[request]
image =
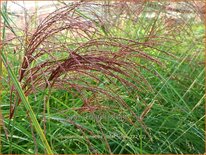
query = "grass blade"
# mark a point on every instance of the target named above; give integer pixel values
(27, 106)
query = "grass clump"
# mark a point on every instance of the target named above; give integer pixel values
(118, 83)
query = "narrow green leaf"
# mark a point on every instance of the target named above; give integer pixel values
(27, 106)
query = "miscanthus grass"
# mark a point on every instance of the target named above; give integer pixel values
(109, 80)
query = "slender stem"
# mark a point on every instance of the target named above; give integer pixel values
(1, 119)
(1, 68)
